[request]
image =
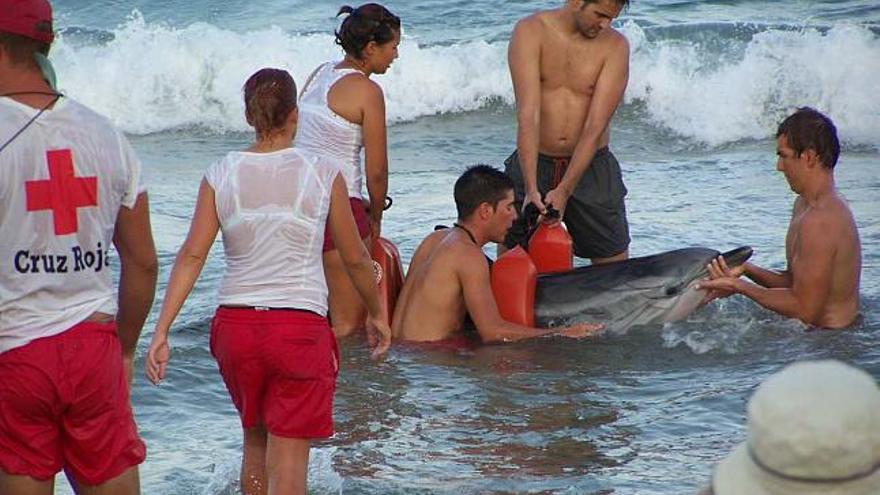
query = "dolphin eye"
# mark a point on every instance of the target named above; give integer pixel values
(671, 291)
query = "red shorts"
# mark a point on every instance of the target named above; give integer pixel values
(360, 218)
(64, 404)
(280, 368)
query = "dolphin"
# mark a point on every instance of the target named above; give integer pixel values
(638, 291)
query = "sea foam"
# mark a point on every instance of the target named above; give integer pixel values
(149, 77)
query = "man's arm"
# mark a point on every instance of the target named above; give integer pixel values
(139, 268)
(767, 278)
(524, 60)
(811, 277)
(473, 274)
(607, 94)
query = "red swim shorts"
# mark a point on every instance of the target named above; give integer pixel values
(64, 403)
(360, 218)
(280, 368)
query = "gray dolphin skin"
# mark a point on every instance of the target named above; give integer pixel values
(639, 291)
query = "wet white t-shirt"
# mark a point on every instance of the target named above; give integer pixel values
(62, 183)
(273, 208)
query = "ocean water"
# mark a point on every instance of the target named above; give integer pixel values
(649, 412)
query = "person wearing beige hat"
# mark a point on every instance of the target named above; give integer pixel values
(813, 428)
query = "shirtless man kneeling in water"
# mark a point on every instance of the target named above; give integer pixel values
(448, 277)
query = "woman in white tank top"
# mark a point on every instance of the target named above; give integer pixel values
(270, 335)
(341, 112)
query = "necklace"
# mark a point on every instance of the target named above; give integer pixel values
(466, 231)
(29, 122)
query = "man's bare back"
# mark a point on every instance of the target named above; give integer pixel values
(431, 305)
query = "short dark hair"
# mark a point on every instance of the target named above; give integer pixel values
(369, 22)
(269, 97)
(21, 49)
(809, 129)
(477, 185)
(622, 3)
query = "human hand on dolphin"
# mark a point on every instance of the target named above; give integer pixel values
(722, 281)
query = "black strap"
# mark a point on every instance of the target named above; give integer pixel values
(468, 232)
(35, 117)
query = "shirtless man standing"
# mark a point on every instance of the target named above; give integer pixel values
(449, 275)
(821, 283)
(569, 71)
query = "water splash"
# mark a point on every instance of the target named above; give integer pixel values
(711, 83)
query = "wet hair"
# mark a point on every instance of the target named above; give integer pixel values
(369, 22)
(622, 3)
(269, 97)
(21, 49)
(477, 185)
(809, 129)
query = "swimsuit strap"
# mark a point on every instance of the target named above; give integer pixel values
(468, 232)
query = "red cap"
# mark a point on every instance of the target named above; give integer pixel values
(29, 18)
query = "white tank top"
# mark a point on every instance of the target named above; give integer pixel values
(326, 133)
(273, 209)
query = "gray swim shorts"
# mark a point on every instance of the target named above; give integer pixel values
(595, 213)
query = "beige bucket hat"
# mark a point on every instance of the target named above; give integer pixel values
(813, 428)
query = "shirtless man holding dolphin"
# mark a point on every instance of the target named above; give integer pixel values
(820, 285)
(569, 71)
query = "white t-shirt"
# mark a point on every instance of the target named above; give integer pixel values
(273, 209)
(62, 183)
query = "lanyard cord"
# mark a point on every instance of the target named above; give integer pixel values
(29, 122)
(468, 232)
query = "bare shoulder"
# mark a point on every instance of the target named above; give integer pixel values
(433, 239)
(616, 42)
(468, 258)
(841, 208)
(531, 26)
(821, 225)
(360, 84)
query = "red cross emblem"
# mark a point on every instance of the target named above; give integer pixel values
(62, 192)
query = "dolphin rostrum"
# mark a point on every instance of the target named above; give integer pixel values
(639, 291)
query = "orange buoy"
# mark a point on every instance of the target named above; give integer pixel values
(550, 248)
(389, 275)
(514, 279)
